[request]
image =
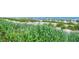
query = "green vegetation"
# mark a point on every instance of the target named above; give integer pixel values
(21, 19)
(15, 32)
(62, 25)
(76, 26)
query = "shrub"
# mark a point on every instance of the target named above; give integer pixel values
(60, 24)
(71, 27)
(76, 27)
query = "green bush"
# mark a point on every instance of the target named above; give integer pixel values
(71, 27)
(76, 27)
(60, 24)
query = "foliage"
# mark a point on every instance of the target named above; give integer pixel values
(60, 24)
(76, 27)
(15, 32)
(71, 27)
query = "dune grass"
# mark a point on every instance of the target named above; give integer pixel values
(13, 32)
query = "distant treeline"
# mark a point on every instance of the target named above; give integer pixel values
(21, 19)
(30, 19)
